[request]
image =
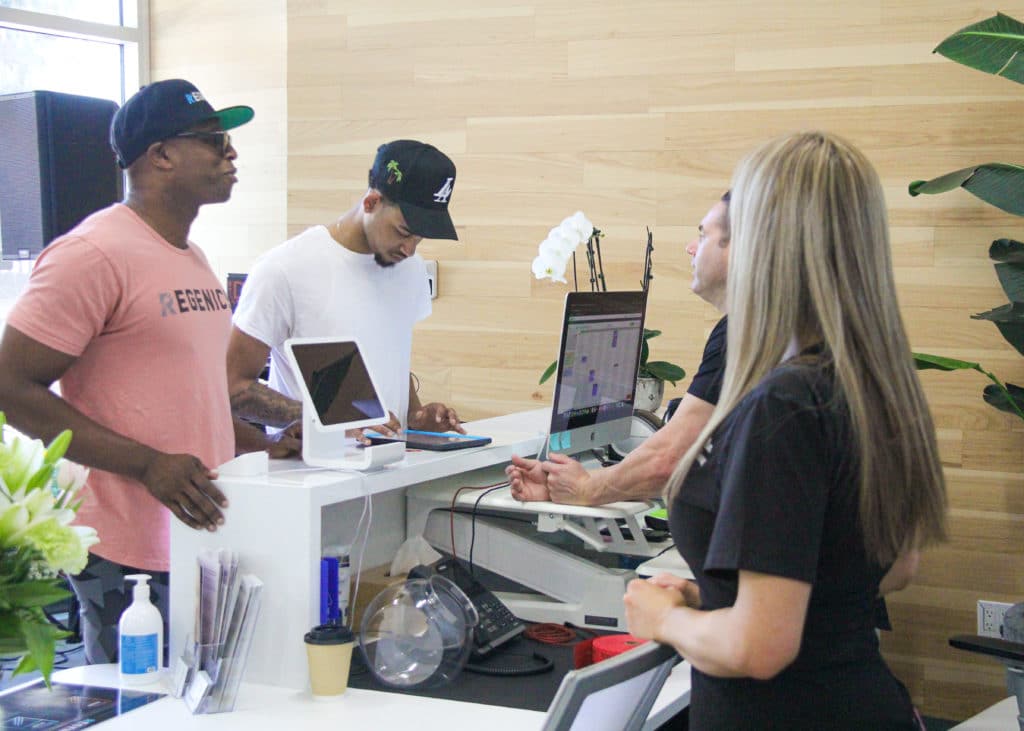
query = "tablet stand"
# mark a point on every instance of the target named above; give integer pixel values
(333, 450)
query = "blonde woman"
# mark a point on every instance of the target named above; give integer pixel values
(817, 479)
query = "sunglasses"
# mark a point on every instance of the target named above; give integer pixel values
(219, 140)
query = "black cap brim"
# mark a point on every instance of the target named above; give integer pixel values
(430, 224)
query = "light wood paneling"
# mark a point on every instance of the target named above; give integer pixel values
(235, 58)
(636, 114)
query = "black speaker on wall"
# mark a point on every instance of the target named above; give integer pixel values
(56, 167)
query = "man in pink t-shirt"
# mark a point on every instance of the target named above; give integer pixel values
(126, 313)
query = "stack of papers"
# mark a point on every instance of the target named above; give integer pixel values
(227, 606)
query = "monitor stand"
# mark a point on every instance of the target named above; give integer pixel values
(331, 449)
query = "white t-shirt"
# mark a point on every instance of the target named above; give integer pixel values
(312, 286)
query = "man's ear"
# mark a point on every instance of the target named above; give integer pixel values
(371, 200)
(157, 156)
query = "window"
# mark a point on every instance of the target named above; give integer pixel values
(97, 48)
(94, 48)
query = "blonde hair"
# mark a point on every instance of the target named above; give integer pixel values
(810, 260)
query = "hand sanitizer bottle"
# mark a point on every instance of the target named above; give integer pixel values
(140, 636)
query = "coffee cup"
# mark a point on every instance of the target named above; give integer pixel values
(329, 652)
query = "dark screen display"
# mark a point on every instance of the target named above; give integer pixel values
(338, 382)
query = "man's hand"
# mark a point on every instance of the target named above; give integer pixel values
(389, 430)
(435, 417)
(287, 442)
(568, 481)
(528, 479)
(183, 484)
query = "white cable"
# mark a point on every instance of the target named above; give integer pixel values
(358, 564)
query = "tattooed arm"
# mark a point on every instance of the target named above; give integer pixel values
(250, 399)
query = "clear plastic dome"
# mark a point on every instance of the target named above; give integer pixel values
(418, 634)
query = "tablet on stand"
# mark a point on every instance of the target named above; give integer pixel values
(338, 394)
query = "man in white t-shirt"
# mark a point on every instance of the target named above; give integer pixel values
(357, 277)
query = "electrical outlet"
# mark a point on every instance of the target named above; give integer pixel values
(990, 617)
(432, 278)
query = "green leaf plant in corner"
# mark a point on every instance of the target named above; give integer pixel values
(994, 46)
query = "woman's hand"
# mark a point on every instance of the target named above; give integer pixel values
(686, 587)
(648, 607)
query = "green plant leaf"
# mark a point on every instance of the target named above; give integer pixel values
(648, 334)
(995, 396)
(665, 371)
(996, 183)
(33, 594)
(1011, 277)
(1010, 321)
(993, 45)
(548, 372)
(924, 362)
(645, 353)
(40, 639)
(40, 477)
(58, 447)
(1008, 250)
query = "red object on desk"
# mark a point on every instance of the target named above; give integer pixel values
(601, 648)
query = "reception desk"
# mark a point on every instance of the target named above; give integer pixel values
(279, 522)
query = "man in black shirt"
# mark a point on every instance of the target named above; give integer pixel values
(645, 470)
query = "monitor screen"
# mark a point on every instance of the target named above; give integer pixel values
(602, 333)
(337, 381)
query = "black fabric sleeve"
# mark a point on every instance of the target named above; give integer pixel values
(775, 486)
(707, 382)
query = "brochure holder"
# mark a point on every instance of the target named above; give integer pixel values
(338, 394)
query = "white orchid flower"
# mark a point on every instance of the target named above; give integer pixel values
(558, 247)
(548, 265)
(580, 224)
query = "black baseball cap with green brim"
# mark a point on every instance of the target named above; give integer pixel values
(419, 178)
(161, 110)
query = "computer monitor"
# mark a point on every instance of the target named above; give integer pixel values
(338, 394)
(595, 384)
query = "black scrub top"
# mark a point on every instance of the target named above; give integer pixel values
(775, 491)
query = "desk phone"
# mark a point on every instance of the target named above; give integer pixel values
(497, 624)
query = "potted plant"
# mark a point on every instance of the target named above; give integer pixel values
(552, 261)
(991, 45)
(652, 374)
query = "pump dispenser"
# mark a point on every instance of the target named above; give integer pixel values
(140, 635)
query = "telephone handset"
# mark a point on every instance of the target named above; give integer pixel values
(497, 624)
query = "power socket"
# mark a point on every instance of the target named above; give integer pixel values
(990, 617)
(432, 277)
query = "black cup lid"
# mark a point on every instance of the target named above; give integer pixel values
(329, 634)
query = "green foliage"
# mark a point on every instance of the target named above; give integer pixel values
(24, 629)
(994, 46)
(660, 369)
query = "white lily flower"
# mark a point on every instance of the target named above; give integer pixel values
(71, 477)
(14, 519)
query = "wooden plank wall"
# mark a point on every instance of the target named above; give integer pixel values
(234, 57)
(636, 114)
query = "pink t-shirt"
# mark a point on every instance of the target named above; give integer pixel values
(149, 325)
